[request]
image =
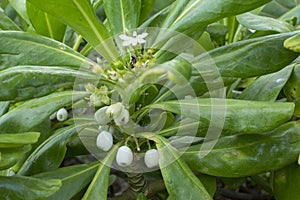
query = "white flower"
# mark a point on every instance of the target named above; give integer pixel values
(104, 141)
(134, 40)
(62, 114)
(101, 117)
(123, 118)
(124, 156)
(151, 158)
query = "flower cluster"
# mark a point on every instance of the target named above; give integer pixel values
(120, 115)
(99, 96)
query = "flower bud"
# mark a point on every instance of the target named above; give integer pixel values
(151, 158)
(62, 114)
(104, 141)
(123, 118)
(114, 110)
(101, 117)
(124, 156)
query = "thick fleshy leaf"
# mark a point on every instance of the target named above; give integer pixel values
(244, 155)
(188, 16)
(49, 155)
(267, 87)
(73, 178)
(32, 113)
(180, 181)
(122, 15)
(20, 7)
(286, 183)
(6, 23)
(11, 156)
(292, 89)
(79, 15)
(18, 139)
(232, 115)
(19, 48)
(45, 24)
(146, 9)
(282, 9)
(248, 58)
(25, 82)
(20, 187)
(99, 186)
(261, 23)
(4, 105)
(293, 43)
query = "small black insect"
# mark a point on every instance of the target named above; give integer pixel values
(133, 61)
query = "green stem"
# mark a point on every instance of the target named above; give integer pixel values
(77, 43)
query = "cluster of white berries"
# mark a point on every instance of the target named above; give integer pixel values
(120, 115)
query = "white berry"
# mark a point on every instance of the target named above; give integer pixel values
(123, 118)
(114, 110)
(104, 141)
(101, 117)
(124, 156)
(62, 114)
(151, 158)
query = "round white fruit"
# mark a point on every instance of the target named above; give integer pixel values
(124, 156)
(114, 110)
(123, 118)
(101, 117)
(104, 141)
(62, 114)
(151, 158)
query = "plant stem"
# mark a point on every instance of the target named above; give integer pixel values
(77, 43)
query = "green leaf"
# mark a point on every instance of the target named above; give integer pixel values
(45, 24)
(122, 15)
(146, 9)
(261, 23)
(18, 139)
(244, 155)
(73, 178)
(4, 106)
(188, 16)
(286, 183)
(232, 115)
(20, 7)
(49, 154)
(282, 9)
(20, 187)
(11, 156)
(79, 15)
(292, 89)
(180, 181)
(267, 87)
(99, 186)
(293, 43)
(20, 48)
(6, 23)
(32, 113)
(46, 80)
(248, 58)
